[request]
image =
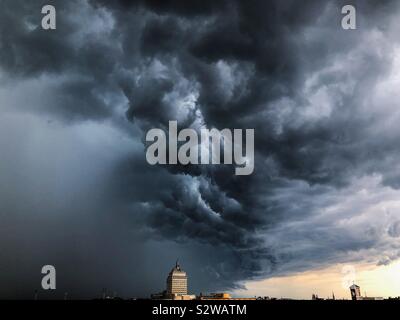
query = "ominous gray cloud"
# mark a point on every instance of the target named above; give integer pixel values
(76, 103)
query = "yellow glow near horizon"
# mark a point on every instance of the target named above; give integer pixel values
(375, 281)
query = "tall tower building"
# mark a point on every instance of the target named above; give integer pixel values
(355, 292)
(177, 281)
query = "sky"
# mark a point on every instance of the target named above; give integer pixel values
(76, 191)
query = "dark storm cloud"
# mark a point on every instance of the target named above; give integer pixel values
(262, 53)
(74, 65)
(284, 68)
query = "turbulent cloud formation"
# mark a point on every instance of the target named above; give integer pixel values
(322, 101)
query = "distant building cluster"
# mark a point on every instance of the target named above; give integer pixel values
(356, 294)
(177, 289)
(315, 297)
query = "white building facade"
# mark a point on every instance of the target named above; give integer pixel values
(177, 281)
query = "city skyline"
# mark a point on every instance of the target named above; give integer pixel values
(177, 287)
(349, 287)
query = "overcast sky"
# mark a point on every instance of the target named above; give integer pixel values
(76, 102)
